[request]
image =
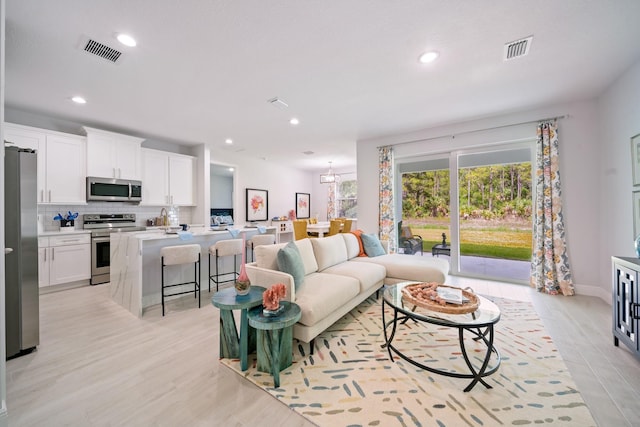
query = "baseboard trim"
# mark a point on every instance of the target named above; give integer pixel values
(594, 291)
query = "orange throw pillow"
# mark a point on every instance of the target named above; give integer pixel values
(358, 234)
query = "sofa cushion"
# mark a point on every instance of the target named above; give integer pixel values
(368, 274)
(290, 261)
(329, 251)
(321, 294)
(372, 245)
(358, 234)
(351, 242)
(267, 255)
(406, 267)
(308, 256)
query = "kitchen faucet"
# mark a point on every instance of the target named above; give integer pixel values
(164, 217)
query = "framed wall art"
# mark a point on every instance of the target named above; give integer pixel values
(257, 204)
(635, 159)
(303, 202)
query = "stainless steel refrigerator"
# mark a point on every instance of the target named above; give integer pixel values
(22, 314)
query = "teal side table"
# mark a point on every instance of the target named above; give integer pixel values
(230, 345)
(275, 338)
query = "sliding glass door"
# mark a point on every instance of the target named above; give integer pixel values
(483, 213)
(494, 213)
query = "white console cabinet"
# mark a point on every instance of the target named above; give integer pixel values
(167, 178)
(64, 259)
(284, 231)
(61, 162)
(113, 155)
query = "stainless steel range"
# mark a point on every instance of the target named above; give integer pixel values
(101, 225)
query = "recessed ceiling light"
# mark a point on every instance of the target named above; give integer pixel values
(79, 100)
(228, 141)
(294, 121)
(427, 57)
(127, 40)
(230, 169)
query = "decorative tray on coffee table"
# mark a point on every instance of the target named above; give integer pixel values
(416, 294)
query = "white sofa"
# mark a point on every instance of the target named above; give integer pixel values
(336, 279)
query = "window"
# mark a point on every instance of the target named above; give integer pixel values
(347, 196)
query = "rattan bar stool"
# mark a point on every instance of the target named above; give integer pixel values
(224, 248)
(260, 239)
(182, 254)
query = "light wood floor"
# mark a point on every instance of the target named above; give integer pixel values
(99, 365)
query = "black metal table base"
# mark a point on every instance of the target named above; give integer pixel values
(477, 375)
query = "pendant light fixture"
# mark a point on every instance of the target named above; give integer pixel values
(328, 178)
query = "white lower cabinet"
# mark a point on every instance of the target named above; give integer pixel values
(64, 259)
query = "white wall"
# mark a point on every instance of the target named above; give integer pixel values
(579, 158)
(281, 181)
(221, 191)
(619, 112)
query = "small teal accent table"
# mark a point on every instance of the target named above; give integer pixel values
(275, 338)
(230, 345)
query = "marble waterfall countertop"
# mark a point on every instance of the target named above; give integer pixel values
(136, 266)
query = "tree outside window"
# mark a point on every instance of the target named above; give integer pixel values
(347, 196)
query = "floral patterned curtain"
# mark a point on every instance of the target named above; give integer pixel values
(331, 201)
(387, 219)
(550, 272)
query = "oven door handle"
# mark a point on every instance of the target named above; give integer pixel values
(100, 239)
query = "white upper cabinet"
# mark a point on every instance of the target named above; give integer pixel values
(61, 162)
(167, 178)
(66, 170)
(113, 155)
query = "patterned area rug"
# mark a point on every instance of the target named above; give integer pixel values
(350, 381)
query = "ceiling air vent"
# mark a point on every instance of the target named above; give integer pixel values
(517, 49)
(103, 51)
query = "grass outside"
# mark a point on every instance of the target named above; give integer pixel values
(492, 242)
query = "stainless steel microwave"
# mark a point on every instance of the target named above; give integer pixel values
(113, 190)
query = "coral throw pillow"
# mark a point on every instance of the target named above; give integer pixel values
(358, 234)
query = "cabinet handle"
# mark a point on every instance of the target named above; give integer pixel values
(45, 255)
(633, 310)
(42, 195)
(53, 254)
(119, 173)
(114, 172)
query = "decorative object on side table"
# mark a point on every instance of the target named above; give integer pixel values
(271, 299)
(242, 283)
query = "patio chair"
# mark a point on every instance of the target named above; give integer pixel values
(410, 243)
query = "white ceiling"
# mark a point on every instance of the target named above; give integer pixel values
(203, 70)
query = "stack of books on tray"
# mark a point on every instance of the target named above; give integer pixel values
(451, 295)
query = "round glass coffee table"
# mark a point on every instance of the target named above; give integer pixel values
(479, 323)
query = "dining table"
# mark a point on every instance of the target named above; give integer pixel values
(321, 228)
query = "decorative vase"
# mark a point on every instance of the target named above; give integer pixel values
(637, 246)
(243, 284)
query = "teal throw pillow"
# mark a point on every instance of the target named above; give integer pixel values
(290, 261)
(372, 245)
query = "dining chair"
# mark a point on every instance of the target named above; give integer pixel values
(346, 226)
(334, 227)
(300, 229)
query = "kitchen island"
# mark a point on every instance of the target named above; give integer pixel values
(136, 265)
